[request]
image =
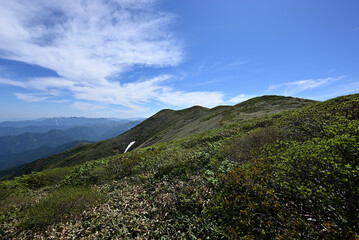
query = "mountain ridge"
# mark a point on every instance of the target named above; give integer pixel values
(293, 174)
(167, 125)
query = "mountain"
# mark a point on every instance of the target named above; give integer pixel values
(169, 125)
(62, 123)
(28, 146)
(8, 131)
(27, 141)
(13, 160)
(55, 137)
(288, 175)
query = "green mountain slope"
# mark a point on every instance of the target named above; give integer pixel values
(169, 125)
(291, 175)
(15, 160)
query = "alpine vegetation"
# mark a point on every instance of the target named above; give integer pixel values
(288, 175)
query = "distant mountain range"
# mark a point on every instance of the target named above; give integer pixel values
(43, 125)
(60, 121)
(16, 159)
(165, 126)
(29, 140)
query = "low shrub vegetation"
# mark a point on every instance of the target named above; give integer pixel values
(293, 175)
(60, 205)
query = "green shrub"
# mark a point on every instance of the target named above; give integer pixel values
(322, 177)
(34, 180)
(5, 191)
(55, 175)
(183, 165)
(89, 173)
(122, 166)
(246, 147)
(64, 203)
(37, 180)
(248, 207)
(13, 201)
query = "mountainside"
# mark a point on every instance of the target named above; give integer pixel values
(290, 175)
(169, 125)
(13, 160)
(27, 141)
(27, 147)
(7, 131)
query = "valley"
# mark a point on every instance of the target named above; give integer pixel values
(29, 140)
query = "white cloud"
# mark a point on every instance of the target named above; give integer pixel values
(291, 88)
(87, 42)
(240, 98)
(348, 87)
(12, 82)
(183, 99)
(87, 39)
(230, 66)
(28, 97)
(130, 95)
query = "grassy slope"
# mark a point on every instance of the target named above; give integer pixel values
(168, 125)
(293, 175)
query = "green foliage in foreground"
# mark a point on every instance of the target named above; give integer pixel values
(294, 175)
(321, 176)
(64, 203)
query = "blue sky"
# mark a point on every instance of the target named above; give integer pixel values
(131, 58)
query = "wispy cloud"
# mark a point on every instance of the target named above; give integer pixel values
(186, 99)
(230, 66)
(87, 39)
(130, 95)
(348, 87)
(240, 98)
(29, 97)
(87, 42)
(292, 88)
(12, 82)
(219, 66)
